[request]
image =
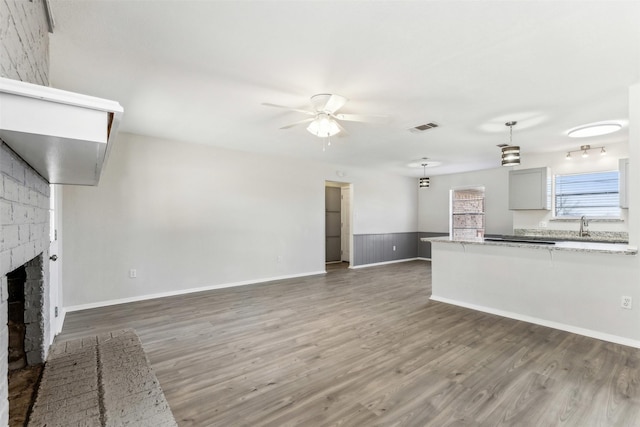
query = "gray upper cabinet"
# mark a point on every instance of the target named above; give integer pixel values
(623, 168)
(529, 189)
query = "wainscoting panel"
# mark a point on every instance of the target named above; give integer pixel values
(375, 248)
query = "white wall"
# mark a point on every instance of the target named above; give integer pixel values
(559, 165)
(189, 216)
(434, 201)
(384, 203)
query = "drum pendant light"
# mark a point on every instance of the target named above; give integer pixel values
(511, 153)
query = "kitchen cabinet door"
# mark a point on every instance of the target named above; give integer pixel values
(623, 168)
(529, 189)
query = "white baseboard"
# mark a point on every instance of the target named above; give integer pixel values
(423, 259)
(181, 292)
(551, 324)
(383, 263)
(60, 323)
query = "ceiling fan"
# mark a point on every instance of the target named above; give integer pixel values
(325, 121)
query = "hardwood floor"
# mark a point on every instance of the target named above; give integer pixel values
(366, 347)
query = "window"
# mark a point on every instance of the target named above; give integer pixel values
(589, 194)
(467, 213)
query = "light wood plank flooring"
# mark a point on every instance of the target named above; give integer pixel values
(366, 347)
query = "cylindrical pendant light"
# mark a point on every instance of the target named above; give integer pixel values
(511, 153)
(424, 181)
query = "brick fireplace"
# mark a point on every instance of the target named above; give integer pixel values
(24, 204)
(24, 195)
(27, 307)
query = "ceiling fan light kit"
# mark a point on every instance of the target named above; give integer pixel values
(325, 121)
(511, 153)
(323, 126)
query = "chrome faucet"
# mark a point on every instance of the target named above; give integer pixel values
(584, 227)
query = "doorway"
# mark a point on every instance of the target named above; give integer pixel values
(338, 196)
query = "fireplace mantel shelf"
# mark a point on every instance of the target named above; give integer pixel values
(66, 137)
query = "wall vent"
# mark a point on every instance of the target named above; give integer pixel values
(424, 127)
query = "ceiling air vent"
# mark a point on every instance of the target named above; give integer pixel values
(423, 128)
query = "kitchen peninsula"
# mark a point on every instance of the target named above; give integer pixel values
(560, 285)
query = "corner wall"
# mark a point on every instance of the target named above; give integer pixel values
(558, 165)
(434, 201)
(189, 216)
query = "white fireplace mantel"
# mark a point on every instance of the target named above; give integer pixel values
(66, 137)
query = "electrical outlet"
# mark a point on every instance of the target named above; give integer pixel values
(133, 273)
(394, 247)
(279, 258)
(542, 224)
(626, 302)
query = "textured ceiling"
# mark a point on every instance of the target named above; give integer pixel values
(199, 71)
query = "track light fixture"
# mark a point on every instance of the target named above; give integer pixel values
(584, 149)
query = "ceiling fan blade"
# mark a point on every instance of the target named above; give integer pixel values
(343, 131)
(362, 118)
(310, 113)
(334, 103)
(310, 119)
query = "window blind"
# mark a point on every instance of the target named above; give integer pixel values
(589, 194)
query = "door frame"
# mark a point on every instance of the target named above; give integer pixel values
(348, 238)
(55, 267)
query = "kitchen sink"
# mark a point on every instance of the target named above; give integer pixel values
(519, 240)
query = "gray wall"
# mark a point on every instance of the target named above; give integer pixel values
(375, 248)
(24, 195)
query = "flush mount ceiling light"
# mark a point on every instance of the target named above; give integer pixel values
(584, 149)
(510, 153)
(594, 129)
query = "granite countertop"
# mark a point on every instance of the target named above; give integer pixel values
(596, 247)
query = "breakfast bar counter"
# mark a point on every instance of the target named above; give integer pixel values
(558, 284)
(574, 246)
